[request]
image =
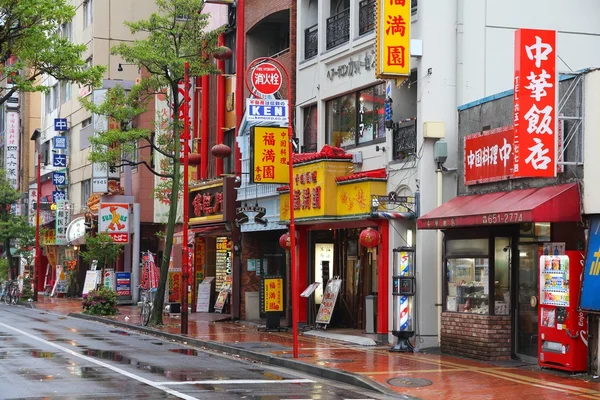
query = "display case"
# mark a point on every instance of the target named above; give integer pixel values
(468, 285)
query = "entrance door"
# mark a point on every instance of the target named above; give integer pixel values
(526, 333)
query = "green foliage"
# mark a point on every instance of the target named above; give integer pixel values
(101, 248)
(102, 301)
(27, 289)
(29, 33)
(3, 269)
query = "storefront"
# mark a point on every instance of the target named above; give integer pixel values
(491, 276)
(332, 206)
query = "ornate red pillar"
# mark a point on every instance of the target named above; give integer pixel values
(383, 282)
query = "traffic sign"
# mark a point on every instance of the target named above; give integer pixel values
(266, 78)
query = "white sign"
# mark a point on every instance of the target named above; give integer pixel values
(110, 281)
(203, 298)
(61, 284)
(63, 216)
(323, 252)
(11, 161)
(267, 110)
(92, 279)
(76, 229)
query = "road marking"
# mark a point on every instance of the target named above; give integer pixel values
(235, 382)
(103, 364)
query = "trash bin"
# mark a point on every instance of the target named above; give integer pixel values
(371, 313)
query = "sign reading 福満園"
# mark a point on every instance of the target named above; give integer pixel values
(393, 38)
(488, 156)
(113, 218)
(535, 91)
(270, 155)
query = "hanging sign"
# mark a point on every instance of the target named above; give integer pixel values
(59, 142)
(270, 158)
(266, 78)
(12, 157)
(63, 216)
(113, 218)
(535, 98)
(59, 178)
(393, 38)
(263, 110)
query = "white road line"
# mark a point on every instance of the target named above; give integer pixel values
(236, 382)
(103, 364)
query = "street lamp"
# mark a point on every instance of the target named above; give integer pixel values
(38, 251)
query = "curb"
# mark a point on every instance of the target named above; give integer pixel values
(335, 375)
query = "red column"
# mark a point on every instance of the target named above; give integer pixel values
(196, 123)
(204, 129)
(303, 254)
(220, 105)
(383, 275)
(240, 62)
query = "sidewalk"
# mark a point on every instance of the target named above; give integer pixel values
(400, 375)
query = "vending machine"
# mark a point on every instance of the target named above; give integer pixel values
(562, 342)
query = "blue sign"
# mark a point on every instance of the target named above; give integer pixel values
(58, 195)
(59, 142)
(59, 160)
(59, 178)
(123, 283)
(267, 110)
(60, 124)
(590, 286)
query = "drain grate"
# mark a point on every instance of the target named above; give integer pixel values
(409, 382)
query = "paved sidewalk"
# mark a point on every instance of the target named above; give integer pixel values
(400, 375)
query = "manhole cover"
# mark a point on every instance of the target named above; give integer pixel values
(409, 382)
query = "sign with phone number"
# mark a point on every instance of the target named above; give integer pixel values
(503, 218)
(473, 220)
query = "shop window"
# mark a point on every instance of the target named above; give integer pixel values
(356, 118)
(502, 256)
(468, 285)
(535, 232)
(310, 129)
(470, 247)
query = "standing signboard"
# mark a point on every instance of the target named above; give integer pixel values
(535, 99)
(92, 279)
(590, 287)
(61, 283)
(109, 280)
(328, 303)
(223, 295)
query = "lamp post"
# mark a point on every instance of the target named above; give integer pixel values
(294, 264)
(38, 252)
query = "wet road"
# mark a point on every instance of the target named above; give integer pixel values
(45, 355)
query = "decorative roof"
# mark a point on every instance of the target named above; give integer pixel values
(326, 153)
(374, 174)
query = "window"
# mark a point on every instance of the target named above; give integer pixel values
(356, 118)
(86, 122)
(86, 191)
(310, 129)
(230, 43)
(51, 99)
(87, 13)
(229, 162)
(65, 31)
(65, 92)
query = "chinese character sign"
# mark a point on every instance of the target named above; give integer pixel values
(63, 217)
(393, 38)
(535, 84)
(59, 178)
(488, 156)
(59, 160)
(60, 124)
(59, 142)
(270, 157)
(11, 160)
(273, 292)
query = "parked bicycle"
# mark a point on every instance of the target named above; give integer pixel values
(147, 297)
(12, 292)
(3, 291)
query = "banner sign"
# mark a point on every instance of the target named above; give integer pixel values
(11, 160)
(488, 156)
(393, 38)
(269, 158)
(590, 286)
(328, 303)
(535, 99)
(63, 217)
(113, 219)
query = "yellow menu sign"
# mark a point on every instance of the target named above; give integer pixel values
(270, 158)
(273, 294)
(393, 38)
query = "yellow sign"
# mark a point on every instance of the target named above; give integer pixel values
(270, 155)
(273, 294)
(314, 183)
(393, 38)
(49, 238)
(355, 198)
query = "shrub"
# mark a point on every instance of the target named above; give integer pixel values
(102, 301)
(27, 292)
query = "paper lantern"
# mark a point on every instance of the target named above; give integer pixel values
(221, 150)
(194, 159)
(369, 238)
(285, 241)
(223, 53)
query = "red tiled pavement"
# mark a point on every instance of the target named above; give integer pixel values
(451, 377)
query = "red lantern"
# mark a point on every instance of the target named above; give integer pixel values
(194, 159)
(221, 150)
(369, 238)
(285, 241)
(223, 53)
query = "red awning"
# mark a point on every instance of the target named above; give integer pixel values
(558, 203)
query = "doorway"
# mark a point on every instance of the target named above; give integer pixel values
(526, 312)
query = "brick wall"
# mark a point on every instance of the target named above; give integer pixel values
(483, 337)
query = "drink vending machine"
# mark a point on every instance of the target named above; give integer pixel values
(562, 343)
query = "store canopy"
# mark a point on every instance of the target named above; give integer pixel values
(560, 203)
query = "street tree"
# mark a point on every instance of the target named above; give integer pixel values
(15, 230)
(176, 34)
(102, 249)
(34, 44)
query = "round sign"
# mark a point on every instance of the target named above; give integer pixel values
(266, 78)
(533, 301)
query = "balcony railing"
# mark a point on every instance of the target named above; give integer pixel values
(311, 42)
(338, 29)
(405, 140)
(366, 16)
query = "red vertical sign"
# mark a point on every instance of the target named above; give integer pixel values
(534, 103)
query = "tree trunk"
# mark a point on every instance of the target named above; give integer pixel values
(11, 272)
(159, 299)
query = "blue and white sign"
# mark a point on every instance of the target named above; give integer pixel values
(60, 124)
(59, 142)
(58, 195)
(590, 286)
(267, 110)
(59, 160)
(59, 178)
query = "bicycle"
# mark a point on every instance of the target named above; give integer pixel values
(4, 291)
(12, 293)
(147, 305)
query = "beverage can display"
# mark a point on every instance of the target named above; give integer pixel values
(555, 263)
(547, 263)
(564, 263)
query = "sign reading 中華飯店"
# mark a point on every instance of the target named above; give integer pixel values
(393, 38)
(535, 82)
(270, 155)
(590, 286)
(488, 156)
(113, 218)
(11, 158)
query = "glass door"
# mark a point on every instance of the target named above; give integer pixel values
(526, 315)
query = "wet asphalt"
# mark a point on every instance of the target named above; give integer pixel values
(49, 356)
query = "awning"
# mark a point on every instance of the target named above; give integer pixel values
(560, 203)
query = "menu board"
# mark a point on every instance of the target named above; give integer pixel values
(554, 280)
(224, 260)
(92, 279)
(329, 298)
(223, 295)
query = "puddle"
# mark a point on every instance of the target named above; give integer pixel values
(4, 355)
(34, 376)
(41, 354)
(119, 332)
(86, 372)
(189, 352)
(158, 343)
(107, 355)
